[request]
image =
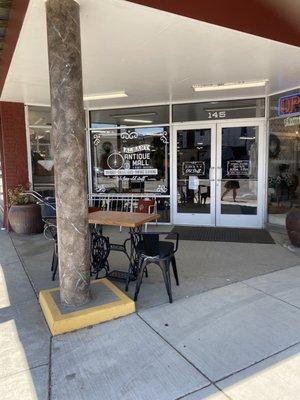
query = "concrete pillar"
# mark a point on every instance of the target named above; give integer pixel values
(70, 166)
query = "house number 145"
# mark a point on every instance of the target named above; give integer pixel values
(216, 114)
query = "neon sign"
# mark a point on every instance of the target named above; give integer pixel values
(289, 105)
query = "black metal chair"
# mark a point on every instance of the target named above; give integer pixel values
(151, 250)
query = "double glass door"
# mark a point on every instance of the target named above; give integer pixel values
(219, 174)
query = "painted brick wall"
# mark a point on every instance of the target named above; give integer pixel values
(13, 149)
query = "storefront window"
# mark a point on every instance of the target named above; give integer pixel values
(131, 160)
(134, 161)
(284, 155)
(41, 149)
(219, 110)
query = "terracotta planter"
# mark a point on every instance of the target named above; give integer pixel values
(26, 219)
(293, 226)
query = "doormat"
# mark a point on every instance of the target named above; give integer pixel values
(212, 234)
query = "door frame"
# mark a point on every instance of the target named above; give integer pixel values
(193, 218)
(242, 220)
(216, 129)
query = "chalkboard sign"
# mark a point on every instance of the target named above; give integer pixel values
(193, 168)
(238, 168)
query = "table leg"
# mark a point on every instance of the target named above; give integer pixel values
(133, 267)
(99, 251)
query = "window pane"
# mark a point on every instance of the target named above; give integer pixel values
(193, 165)
(40, 116)
(218, 110)
(42, 159)
(239, 170)
(130, 161)
(284, 155)
(135, 116)
(39, 119)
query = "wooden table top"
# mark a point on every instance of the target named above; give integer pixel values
(121, 218)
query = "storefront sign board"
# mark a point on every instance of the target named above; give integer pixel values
(238, 168)
(193, 168)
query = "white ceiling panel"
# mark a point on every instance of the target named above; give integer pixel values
(154, 56)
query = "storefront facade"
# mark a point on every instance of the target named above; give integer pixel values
(220, 163)
(202, 163)
(202, 156)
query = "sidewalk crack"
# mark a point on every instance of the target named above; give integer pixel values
(270, 295)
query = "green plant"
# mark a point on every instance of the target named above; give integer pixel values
(17, 196)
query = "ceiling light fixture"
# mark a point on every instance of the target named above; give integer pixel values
(142, 121)
(231, 108)
(145, 114)
(104, 96)
(229, 85)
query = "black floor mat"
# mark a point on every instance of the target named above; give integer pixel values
(212, 234)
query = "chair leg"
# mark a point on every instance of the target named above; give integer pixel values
(169, 281)
(55, 264)
(139, 281)
(173, 261)
(53, 260)
(165, 269)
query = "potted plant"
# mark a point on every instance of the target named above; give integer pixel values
(24, 214)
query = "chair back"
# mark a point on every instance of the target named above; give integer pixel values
(151, 244)
(146, 206)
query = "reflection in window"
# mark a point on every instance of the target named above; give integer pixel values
(284, 157)
(239, 170)
(193, 165)
(41, 149)
(134, 116)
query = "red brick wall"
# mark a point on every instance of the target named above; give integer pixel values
(13, 148)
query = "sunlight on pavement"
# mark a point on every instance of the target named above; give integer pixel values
(4, 297)
(275, 378)
(12, 354)
(18, 386)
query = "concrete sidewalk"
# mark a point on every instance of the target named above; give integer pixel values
(202, 265)
(239, 342)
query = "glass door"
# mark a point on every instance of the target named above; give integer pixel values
(240, 174)
(194, 174)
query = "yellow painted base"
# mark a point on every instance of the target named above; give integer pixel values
(61, 323)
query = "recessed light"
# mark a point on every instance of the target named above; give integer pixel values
(229, 85)
(104, 96)
(142, 121)
(129, 115)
